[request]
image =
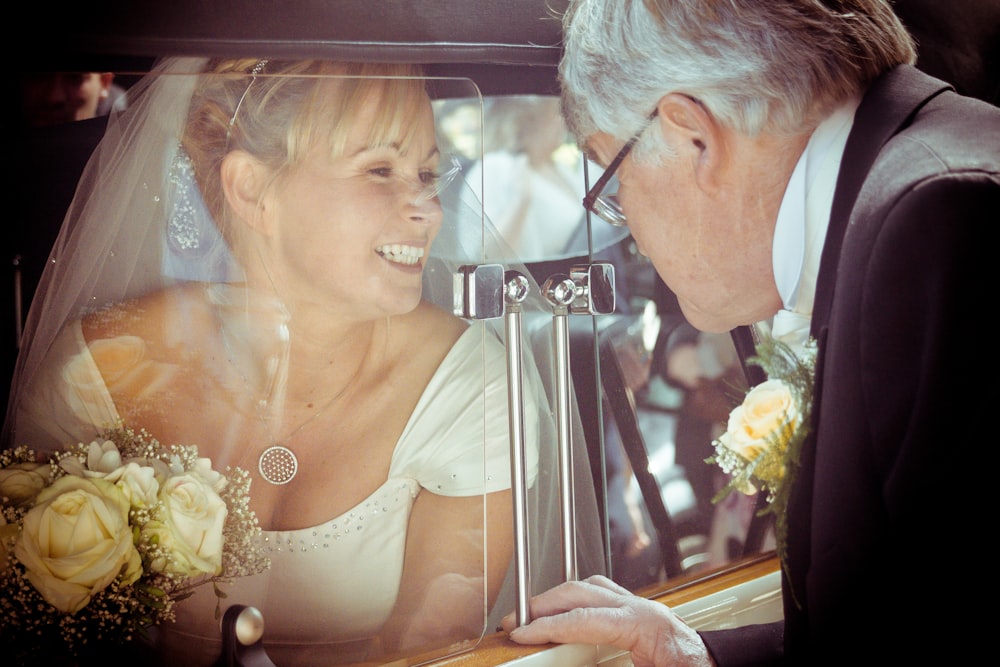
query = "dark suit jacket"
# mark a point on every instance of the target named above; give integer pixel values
(890, 546)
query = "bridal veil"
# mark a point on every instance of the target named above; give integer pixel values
(138, 223)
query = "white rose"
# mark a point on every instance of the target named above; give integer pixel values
(215, 479)
(161, 470)
(176, 465)
(103, 458)
(137, 482)
(21, 482)
(76, 540)
(191, 530)
(768, 412)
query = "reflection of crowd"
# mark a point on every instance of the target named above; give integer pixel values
(530, 188)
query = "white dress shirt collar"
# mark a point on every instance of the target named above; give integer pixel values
(803, 219)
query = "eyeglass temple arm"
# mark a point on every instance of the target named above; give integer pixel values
(612, 168)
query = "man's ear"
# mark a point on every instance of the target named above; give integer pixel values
(243, 181)
(106, 79)
(695, 134)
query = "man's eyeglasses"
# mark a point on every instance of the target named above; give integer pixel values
(607, 205)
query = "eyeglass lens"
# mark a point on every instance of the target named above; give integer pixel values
(609, 209)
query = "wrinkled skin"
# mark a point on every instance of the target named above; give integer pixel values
(599, 611)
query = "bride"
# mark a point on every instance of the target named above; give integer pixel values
(248, 267)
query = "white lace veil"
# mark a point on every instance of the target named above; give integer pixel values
(138, 224)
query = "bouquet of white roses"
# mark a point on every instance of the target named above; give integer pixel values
(761, 447)
(98, 542)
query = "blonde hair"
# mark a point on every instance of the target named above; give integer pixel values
(280, 113)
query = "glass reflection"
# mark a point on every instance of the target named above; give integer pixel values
(263, 257)
(670, 389)
(210, 288)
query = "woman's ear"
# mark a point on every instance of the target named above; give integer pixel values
(244, 179)
(695, 134)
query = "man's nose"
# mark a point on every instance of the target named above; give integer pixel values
(56, 90)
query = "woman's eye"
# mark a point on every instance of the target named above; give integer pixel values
(428, 177)
(381, 172)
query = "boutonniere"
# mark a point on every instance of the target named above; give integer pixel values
(763, 441)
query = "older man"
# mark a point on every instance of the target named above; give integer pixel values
(783, 159)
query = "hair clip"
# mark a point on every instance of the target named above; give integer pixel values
(257, 69)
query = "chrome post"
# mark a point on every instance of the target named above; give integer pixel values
(515, 292)
(488, 292)
(587, 290)
(560, 292)
(595, 289)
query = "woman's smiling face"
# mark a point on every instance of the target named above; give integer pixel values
(352, 228)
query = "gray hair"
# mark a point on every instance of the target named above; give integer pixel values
(756, 65)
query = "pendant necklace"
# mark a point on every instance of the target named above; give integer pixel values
(278, 464)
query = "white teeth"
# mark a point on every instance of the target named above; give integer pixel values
(402, 254)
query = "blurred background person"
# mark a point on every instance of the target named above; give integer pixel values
(50, 98)
(530, 178)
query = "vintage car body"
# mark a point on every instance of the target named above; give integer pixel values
(506, 47)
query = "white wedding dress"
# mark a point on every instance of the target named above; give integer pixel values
(331, 586)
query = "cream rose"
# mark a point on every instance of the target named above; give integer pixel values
(137, 482)
(21, 482)
(769, 411)
(103, 458)
(76, 540)
(191, 530)
(203, 468)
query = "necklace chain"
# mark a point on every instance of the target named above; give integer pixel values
(277, 464)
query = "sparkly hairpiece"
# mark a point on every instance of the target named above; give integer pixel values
(257, 69)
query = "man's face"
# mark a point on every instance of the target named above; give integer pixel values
(48, 98)
(707, 244)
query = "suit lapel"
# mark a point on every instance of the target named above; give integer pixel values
(887, 107)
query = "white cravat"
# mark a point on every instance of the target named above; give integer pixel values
(802, 222)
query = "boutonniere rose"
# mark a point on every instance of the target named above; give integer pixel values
(757, 432)
(763, 440)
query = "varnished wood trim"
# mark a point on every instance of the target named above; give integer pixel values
(497, 649)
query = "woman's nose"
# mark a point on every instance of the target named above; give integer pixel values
(423, 205)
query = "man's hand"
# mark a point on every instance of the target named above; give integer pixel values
(599, 611)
